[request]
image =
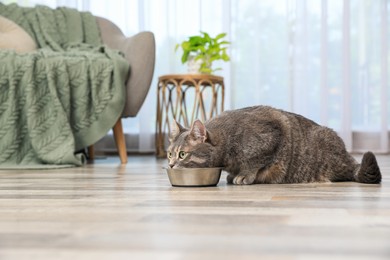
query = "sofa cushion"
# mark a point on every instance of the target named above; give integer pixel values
(13, 37)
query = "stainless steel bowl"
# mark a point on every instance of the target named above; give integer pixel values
(194, 177)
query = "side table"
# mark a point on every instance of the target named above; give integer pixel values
(185, 98)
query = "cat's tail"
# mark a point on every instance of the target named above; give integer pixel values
(368, 171)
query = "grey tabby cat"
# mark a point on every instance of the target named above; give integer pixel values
(262, 144)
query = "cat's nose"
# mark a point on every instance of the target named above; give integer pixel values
(171, 165)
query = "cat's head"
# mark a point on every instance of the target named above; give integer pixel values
(190, 148)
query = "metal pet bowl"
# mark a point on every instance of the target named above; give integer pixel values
(194, 177)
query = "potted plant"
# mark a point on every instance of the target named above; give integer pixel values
(202, 50)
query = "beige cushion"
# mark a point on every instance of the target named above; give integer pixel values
(13, 37)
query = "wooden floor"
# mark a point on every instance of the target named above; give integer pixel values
(108, 211)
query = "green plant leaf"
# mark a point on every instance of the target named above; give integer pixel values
(224, 42)
(186, 46)
(184, 57)
(205, 70)
(198, 57)
(206, 37)
(219, 36)
(196, 40)
(225, 57)
(177, 47)
(202, 49)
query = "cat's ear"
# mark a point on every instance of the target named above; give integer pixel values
(176, 129)
(198, 132)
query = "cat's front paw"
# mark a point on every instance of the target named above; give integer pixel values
(244, 179)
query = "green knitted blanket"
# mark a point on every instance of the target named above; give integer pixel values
(61, 98)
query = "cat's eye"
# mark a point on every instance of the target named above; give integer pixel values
(182, 155)
(169, 155)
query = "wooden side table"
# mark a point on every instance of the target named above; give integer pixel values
(185, 98)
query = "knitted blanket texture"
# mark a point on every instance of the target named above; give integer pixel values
(61, 98)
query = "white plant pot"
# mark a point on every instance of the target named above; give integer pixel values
(193, 65)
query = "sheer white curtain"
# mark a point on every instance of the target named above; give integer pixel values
(325, 59)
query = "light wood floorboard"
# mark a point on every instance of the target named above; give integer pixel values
(110, 211)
